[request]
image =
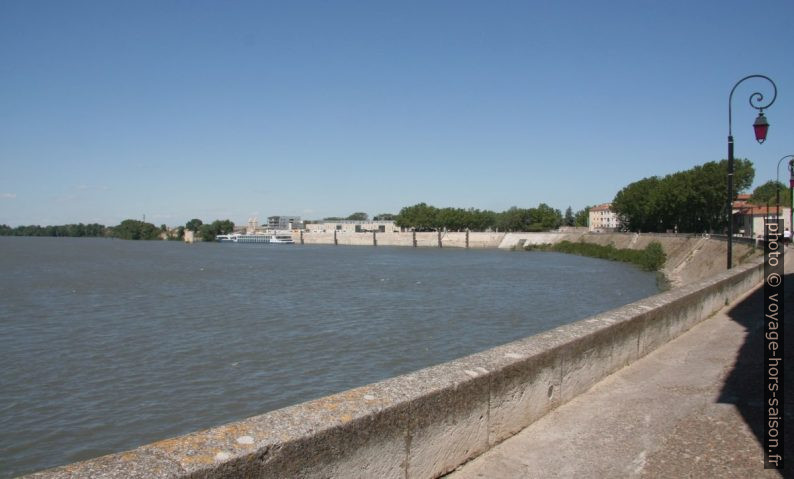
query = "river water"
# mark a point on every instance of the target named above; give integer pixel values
(110, 344)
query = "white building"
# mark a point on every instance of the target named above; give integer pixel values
(602, 218)
(284, 222)
(352, 226)
(750, 218)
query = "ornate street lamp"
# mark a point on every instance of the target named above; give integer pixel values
(761, 127)
(777, 185)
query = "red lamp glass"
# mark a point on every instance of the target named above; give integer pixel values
(761, 127)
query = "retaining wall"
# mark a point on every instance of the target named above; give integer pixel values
(689, 257)
(426, 423)
(449, 239)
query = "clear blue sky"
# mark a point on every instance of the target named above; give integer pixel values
(225, 109)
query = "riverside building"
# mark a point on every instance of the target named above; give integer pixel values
(603, 219)
(353, 226)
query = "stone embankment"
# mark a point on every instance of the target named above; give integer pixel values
(689, 257)
(441, 239)
(426, 423)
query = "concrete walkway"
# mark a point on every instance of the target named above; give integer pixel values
(690, 409)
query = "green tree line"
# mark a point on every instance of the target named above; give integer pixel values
(424, 217)
(688, 201)
(70, 230)
(128, 229)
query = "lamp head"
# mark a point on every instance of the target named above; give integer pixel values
(761, 127)
(791, 170)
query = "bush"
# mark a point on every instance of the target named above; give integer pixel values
(649, 259)
(653, 257)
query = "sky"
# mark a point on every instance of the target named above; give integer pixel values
(175, 110)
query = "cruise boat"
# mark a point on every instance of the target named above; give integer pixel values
(272, 238)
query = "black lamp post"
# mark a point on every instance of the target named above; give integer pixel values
(777, 186)
(761, 127)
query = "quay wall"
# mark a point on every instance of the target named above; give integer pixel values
(689, 257)
(433, 239)
(426, 423)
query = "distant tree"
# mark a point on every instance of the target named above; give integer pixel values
(136, 230)
(545, 218)
(481, 220)
(514, 219)
(384, 217)
(223, 227)
(582, 217)
(358, 216)
(207, 232)
(691, 201)
(74, 230)
(767, 193)
(423, 217)
(634, 204)
(569, 218)
(333, 218)
(194, 225)
(95, 229)
(420, 216)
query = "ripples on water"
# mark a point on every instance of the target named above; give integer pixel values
(110, 344)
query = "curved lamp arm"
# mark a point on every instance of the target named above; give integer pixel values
(755, 99)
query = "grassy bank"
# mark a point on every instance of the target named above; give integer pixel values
(651, 258)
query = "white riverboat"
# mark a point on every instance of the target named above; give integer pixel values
(270, 238)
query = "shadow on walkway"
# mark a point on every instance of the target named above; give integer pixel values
(744, 386)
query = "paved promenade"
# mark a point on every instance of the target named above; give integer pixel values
(692, 408)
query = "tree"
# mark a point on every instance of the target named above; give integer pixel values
(582, 217)
(514, 219)
(207, 232)
(222, 227)
(136, 230)
(358, 216)
(545, 218)
(634, 206)
(193, 225)
(384, 217)
(569, 218)
(691, 201)
(421, 217)
(767, 193)
(481, 220)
